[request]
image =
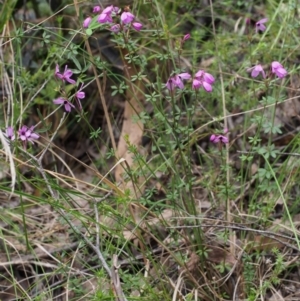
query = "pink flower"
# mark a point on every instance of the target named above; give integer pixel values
(9, 133)
(203, 79)
(87, 22)
(115, 28)
(27, 134)
(108, 9)
(79, 95)
(176, 81)
(278, 69)
(127, 17)
(186, 37)
(260, 25)
(137, 26)
(256, 70)
(115, 9)
(180, 77)
(66, 75)
(96, 9)
(170, 84)
(68, 106)
(207, 77)
(105, 16)
(218, 138)
(196, 84)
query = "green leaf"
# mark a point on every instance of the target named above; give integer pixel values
(89, 32)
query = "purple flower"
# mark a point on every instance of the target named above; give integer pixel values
(127, 17)
(260, 25)
(79, 95)
(62, 101)
(96, 9)
(108, 9)
(176, 81)
(115, 28)
(218, 138)
(278, 69)
(27, 134)
(170, 84)
(115, 9)
(180, 77)
(87, 22)
(207, 77)
(66, 75)
(256, 70)
(196, 84)
(33, 136)
(186, 37)
(9, 133)
(137, 26)
(203, 79)
(105, 16)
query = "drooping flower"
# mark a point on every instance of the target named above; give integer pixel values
(260, 25)
(127, 17)
(9, 133)
(278, 69)
(170, 85)
(96, 9)
(256, 70)
(79, 95)
(137, 26)
(87, 22)
(63, 101)
(66, 75)
(27, 134)
(177, 81)
(207, 77)
(105, 16)
(203, 79)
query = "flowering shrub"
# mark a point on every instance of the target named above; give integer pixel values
(113, 19)
(176, 90)
(117, 20)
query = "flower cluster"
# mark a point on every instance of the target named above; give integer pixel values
(201, 79)
(125, 20)
(66, 77)
(276, 68)
(25, 134)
